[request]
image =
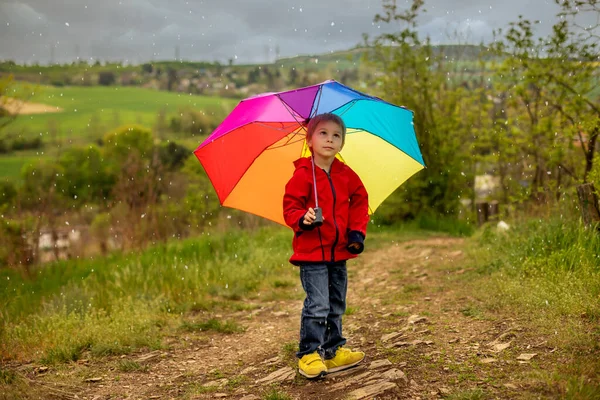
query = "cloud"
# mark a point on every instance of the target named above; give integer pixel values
(251, 30)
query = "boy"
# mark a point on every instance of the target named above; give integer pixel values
(321, 251)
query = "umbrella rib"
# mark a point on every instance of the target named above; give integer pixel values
(318, 101)
(289, 142)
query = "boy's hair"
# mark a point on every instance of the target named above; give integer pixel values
(317, 119)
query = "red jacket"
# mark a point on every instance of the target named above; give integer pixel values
(344, 201)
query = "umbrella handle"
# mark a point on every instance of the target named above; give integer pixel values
(318, 212)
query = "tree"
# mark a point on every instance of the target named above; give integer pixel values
(412, 76)
(135, 162)
(43, 195)
(106, 78)
(86, 176)
(11, 100)
(554, 80)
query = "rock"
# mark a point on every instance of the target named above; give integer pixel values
(426, 253)
(488, 360)
(250, 397)
(444, 391)
(280, 313)
(498, 347)
(271, 360)
(281, 375)
(350, 381)
(502, 226)
(247, 370)
(397, 344)
(510, 386)
(394, 375)
(526, 357)
(371, 391)
(416, 319)
(217, 383)
(148, 357)
(219, 395)
(380, 363)
(391, 336)
(94, 380)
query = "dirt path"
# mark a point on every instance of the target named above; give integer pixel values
(408, 311)
(15, 106)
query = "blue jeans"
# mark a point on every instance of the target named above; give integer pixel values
(325, 286)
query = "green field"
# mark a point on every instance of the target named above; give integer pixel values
(89, 112)
(11, 165)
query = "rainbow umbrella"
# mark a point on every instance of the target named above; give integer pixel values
(249, 157)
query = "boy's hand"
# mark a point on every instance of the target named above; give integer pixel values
(309, 217)
(354, 246)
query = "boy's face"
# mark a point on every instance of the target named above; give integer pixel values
(326, 140)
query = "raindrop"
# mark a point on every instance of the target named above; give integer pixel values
(332, 23)
(66, 23)
(227, 286)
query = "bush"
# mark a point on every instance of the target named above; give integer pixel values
(27, 144)
(106, 78)
(8, 192)
(173, 155)
(193, 122)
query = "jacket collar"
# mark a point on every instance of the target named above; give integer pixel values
(306, 162)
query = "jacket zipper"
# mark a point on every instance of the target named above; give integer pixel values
(337, 234)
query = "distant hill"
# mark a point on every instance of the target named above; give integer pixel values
(350, 58)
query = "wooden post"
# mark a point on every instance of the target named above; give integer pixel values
(482, 212)
(493, 210)
(588, 203)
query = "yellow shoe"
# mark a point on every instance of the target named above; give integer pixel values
(344, 358)
(311, 366)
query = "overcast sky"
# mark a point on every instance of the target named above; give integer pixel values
(247, 31)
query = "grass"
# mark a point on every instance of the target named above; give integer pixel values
(471, 394)
(547, 272)
(12, 164)
(123, 302)
(88, 113)
(214, 325)
(131, 366)
(275, 394)
(108, 107)
(544, 273)
(7, 377)
(288, 351)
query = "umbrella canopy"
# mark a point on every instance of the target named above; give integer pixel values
(249, 157)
